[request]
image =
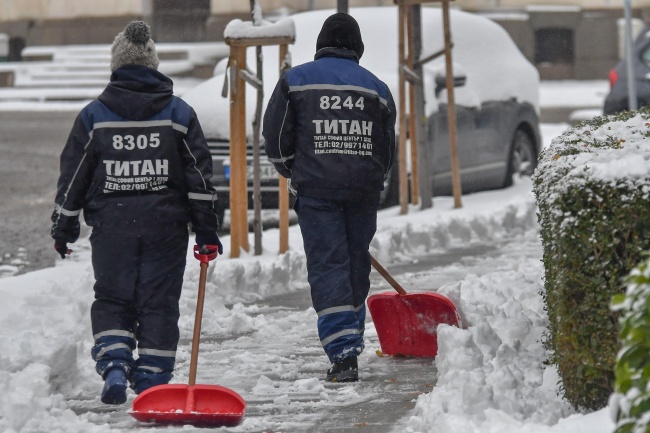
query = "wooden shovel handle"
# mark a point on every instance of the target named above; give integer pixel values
(197, 323)
(384, 273)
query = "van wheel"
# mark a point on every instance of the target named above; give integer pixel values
(523, 157)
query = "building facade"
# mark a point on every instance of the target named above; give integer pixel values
(565, 39)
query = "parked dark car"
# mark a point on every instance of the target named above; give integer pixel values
(496, 98)
(618, 99)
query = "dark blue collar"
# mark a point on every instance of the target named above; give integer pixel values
(342, 53)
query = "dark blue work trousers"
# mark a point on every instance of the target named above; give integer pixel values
(138, 281)
(336, 236)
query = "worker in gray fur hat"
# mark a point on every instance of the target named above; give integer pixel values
(137, 165)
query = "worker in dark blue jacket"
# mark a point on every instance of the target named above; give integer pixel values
(330, 129)
(138, 166)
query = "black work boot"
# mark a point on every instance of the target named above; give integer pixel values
(344, 371)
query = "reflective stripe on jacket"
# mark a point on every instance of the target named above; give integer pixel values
(330, 127)
(136, 157)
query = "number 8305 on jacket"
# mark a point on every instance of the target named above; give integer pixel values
(135, 160)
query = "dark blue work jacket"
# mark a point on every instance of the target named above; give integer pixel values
(136, 158)
(330, 127)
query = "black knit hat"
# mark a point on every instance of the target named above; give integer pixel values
(340, 31)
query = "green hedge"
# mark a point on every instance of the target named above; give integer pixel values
(595, 224)
(632, 399)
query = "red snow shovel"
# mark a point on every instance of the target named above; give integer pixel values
(199, 405)
(407, 323)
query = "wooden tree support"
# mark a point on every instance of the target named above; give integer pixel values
(238, 163)
(408, 64)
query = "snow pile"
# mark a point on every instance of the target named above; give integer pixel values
(238, 29)
(259, 27)
(44, 332)
(492, 375)
(494, 368)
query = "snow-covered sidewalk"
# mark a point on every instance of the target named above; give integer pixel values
(491, 376)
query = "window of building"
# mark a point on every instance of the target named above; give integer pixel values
(554, 45)
(16, 46)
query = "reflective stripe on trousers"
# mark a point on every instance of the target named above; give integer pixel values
(336, 236)
(138, 281)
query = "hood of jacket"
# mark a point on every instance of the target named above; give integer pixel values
(137, 92)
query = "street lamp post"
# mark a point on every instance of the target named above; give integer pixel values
(631, 79)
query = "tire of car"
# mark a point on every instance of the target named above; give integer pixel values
(523, 157)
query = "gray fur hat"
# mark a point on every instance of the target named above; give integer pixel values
(134, 46)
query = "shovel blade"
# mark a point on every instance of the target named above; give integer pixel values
(202, 405)
(407, 325)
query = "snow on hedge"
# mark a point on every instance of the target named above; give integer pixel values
(605, 149)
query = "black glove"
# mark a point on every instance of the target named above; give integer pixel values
(204, 238)
(61, 247)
